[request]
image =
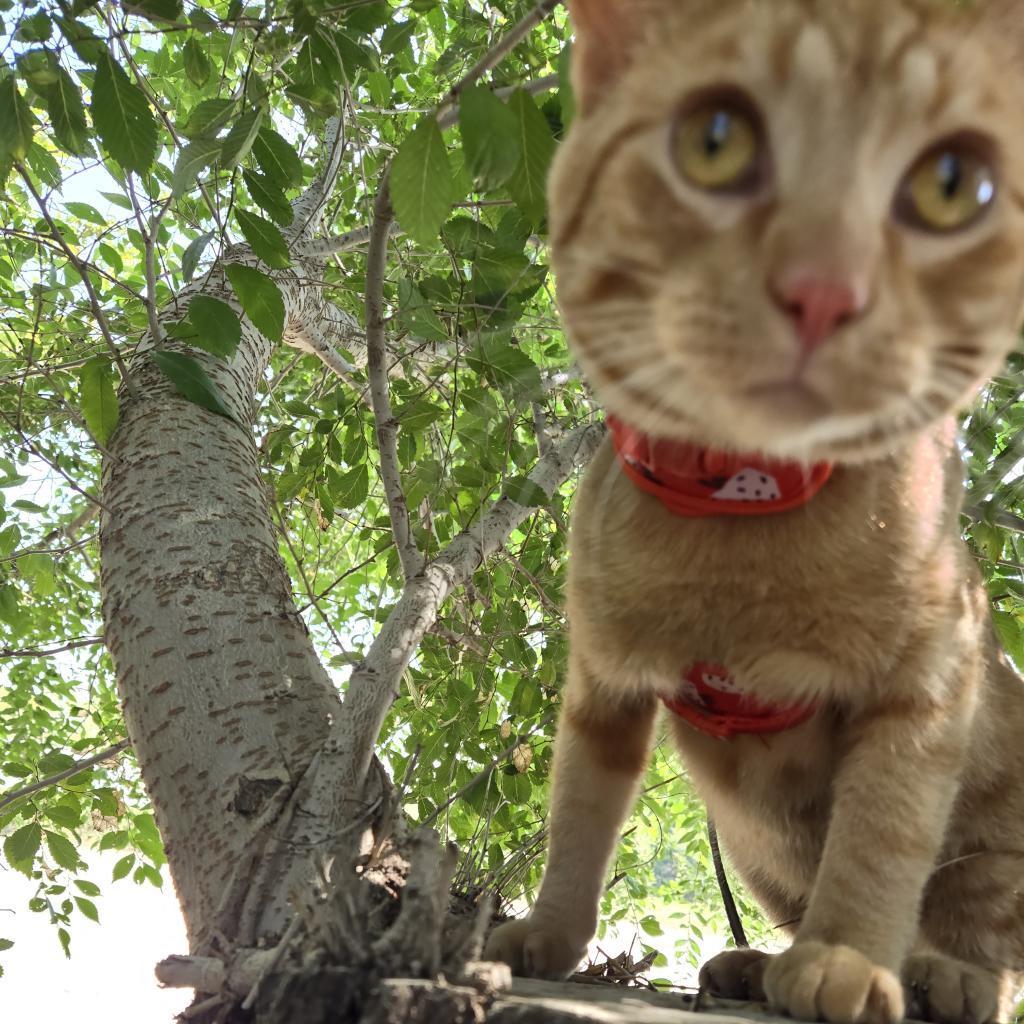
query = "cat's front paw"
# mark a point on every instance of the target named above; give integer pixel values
(948, 991)
(736, 974)
(814, 981)
(535, 949)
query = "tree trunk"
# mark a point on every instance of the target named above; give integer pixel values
(232, 716)
(285, 849)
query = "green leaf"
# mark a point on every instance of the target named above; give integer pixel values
(314, 98)
(418, 415)
(418, 315)
(516, 788)
(38, 67)
(38, 568)
(268, 196)
(88, 908)
(990, 539)
(159, 10)
(89, 888)
(217, 325)
(64, 937)
(528, 184)
(192, 160)
(62, 850)
(46, 167)
(67, 114)
(88, 47)
(17, 122)
(508, 367)
(21, 847)
(193, 254)
(350, 489)
(1011, 635)
(105, 801)
(207, 118)
(65, 815)
(98, 399)
(266, 240)
(35, 28)
(123, 866)
(260, 298)
(277, 158)
(523, 491)
(5, 944)
(55, 761)
(240, 139)
(87, 212)
(489, 137)
(422, 183)
(123, 119)
(651, 925)
(189, 377)
(198, 66)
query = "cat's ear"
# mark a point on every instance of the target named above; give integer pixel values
(606, 34)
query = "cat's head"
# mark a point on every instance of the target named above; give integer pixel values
(792, 225)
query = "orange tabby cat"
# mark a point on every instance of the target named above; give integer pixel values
(795, 228)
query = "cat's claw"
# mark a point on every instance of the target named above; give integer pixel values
(947, 991)
(814, 981)
(736, 974)
(534, 949)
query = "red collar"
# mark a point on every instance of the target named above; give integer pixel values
(710, 701)
(697, 482)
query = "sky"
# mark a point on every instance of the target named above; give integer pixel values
(110, 974)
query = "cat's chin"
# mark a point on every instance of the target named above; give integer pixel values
(788, 420)
(789, 405)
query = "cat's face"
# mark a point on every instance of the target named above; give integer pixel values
(792, 225)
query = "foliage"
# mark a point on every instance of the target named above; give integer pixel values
(137, 143)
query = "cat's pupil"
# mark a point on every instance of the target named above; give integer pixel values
(716, 137)
(951, 175)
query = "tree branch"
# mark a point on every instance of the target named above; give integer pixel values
(11, 796)
(997, 517)
(497, 53)
(374, 685)
(307, 210)
(46, 652)
(377, 370)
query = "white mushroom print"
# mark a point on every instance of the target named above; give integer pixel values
(749, 485)
(719, 682)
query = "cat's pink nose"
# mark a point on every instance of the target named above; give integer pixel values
(818, 306)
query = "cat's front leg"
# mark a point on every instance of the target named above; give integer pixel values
(601, 750)
(891, 804)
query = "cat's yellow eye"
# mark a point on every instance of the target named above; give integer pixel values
(718, 146)
(948, 189)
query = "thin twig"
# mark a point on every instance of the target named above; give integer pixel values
(376, 367)
(51, 780)
(94, 299)
(38, 453)
(735, 922)
(46, 652)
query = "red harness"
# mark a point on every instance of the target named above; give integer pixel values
(698, 482)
